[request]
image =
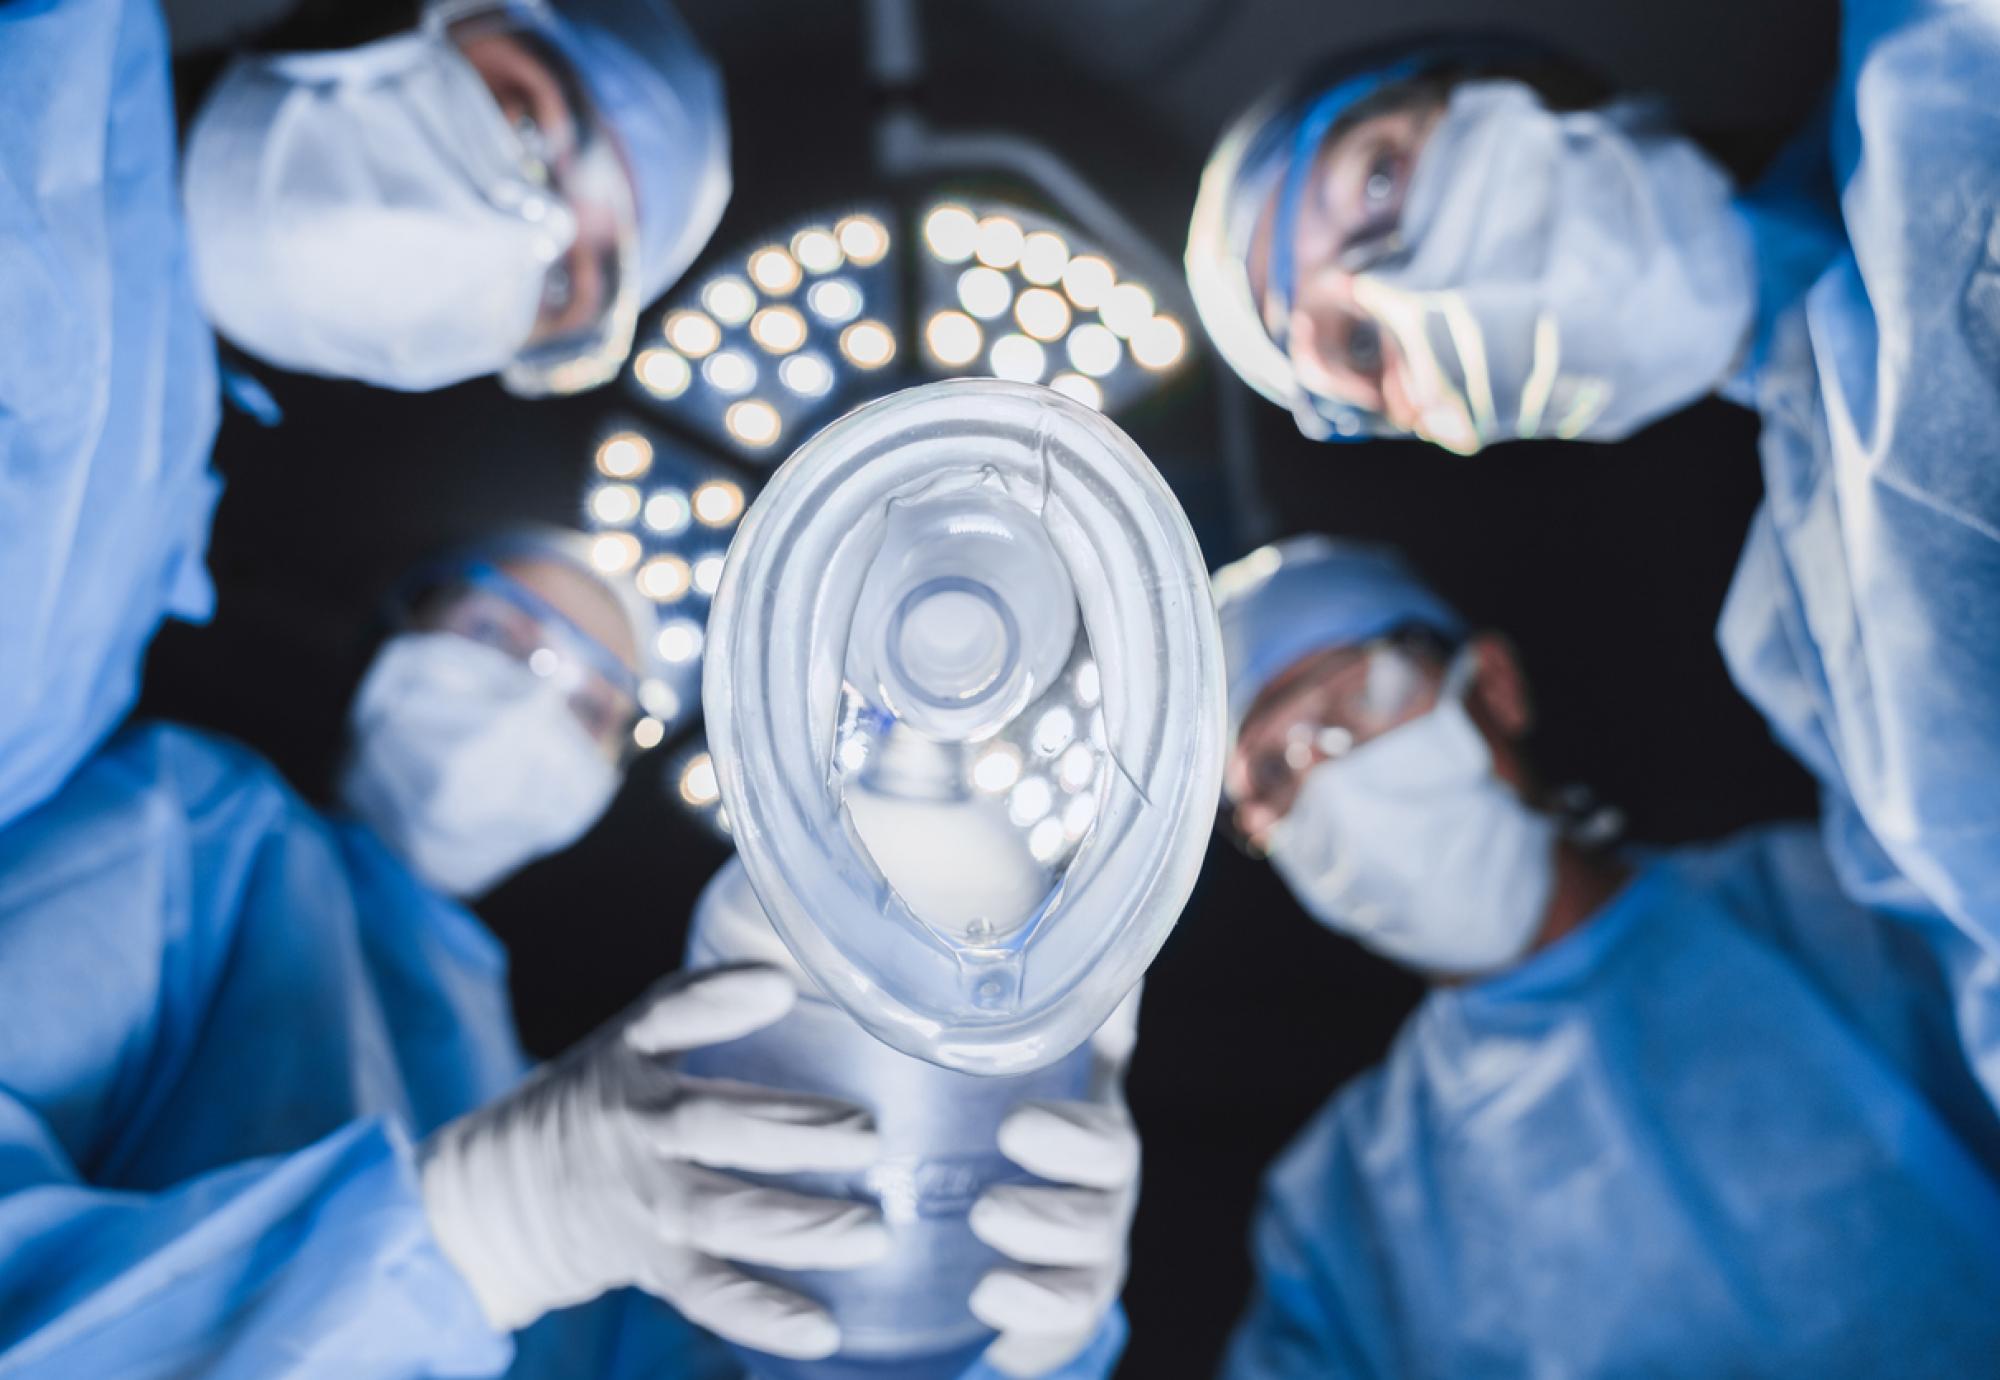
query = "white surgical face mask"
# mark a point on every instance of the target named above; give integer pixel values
(1411, 845)
(468, 764)
(365, 214)
(1572, 274)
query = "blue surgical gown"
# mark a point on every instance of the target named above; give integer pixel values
(1864, 620)
(107, 382)
(223, 1021)
(1723, 1129)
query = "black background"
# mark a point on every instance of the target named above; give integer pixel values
(1606, 564)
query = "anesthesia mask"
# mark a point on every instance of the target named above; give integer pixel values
(965, 700)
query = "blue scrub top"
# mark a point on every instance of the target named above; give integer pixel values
(107, 382)
(1864, 620)
(224, 1020)
(1722, 1129)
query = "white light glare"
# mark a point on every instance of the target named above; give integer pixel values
(1079, 815)
(816, 250)
(1159, 343)
(1054, 731)
(1087, 687)
(718, 503)
(664, 579)
(1018, 358)
(1077, 768)
(997, 769)
(649, 732)
(808, 375)
(1080, 388)
(780, 330)
(614, 505)
(614, 551)
(868, 344)
(863, 238)
(954, 338)
(692, 333)
(680, 641)
(708, 572)
(985, 293)
(626, 455)
(952, 233)
(1094, 350)
(1126, 309)
(729, 372)
(1042, 314)
(1046, 840)
(836, 300)
(1043, 258)
(1086, 279)
(999, 242)
(1030, 801)
(729, 300)
(667, 511)
(753, 422)
(657, 698)
(773, 270)
(699, 787)
(665, 374)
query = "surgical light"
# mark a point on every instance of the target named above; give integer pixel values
(754, 422)
(985, 293)
(680, 641)
(665, 579)
(1159, 344)
(1030, 800)
(773, 270)
(808, 375)
(657, 698)
(1054, 731)
(729, 372)
(999, 242)
(1094, 350)
(868, 344)
(717, 503)
(614, 505)
(1080, 388)
(1042, 314)
(1078, 816)
(708, 572)
(816, 250)
(952, 233)
(667, 512)
(729, 300)
(1087, 278)
(1126, 309)
(698, 784)
(1018, 358)
(997, 769)
(693, 333)
(1044, 255)
(836, 300)
(625, 455)
(1078, 767)
(1087, 688)
(665, 374)
(780, 330)
(1045, 840)
(954, 338)
(648, 733)
(863, 238)
(614, 552)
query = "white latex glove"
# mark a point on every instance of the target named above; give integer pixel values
(601, 1171)
(1068, 1239)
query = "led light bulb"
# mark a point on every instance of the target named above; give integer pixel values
(665, 374)
(625, 455)
(952, 233)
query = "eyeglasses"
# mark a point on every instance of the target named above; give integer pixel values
(1338, 701)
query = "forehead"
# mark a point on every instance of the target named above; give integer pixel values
(581, 598)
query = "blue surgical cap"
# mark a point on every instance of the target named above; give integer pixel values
(662, 94)
(1309, 594)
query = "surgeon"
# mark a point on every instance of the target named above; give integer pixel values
(1464, 244)
(1691, 1112)
(499, 189)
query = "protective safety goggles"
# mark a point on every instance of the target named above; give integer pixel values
(1352, 697)
(565, 152)
(481, 602)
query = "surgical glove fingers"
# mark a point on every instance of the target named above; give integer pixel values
(725, 1216)
(1052, 1226)
(1085, 1143)
(710, 1008)
(741, 1126)
(749, 1312)
(1047, 1301)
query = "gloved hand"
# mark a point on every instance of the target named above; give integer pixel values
(1069, 1238)
(600, 1171)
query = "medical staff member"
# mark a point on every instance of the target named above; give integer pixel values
(1691, 1113)
(499, 189)
(1441, 243)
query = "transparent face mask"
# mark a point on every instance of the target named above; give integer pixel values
(965, 699)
